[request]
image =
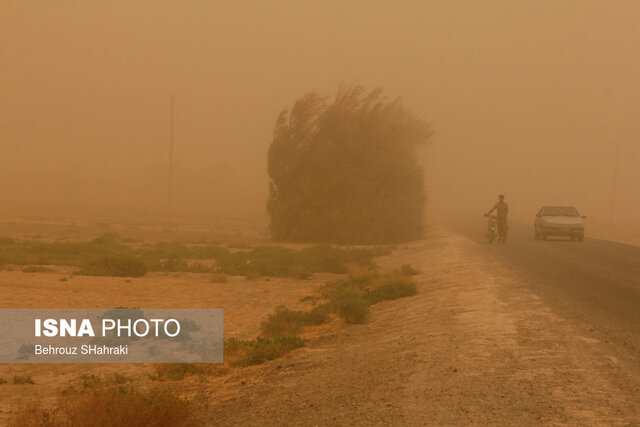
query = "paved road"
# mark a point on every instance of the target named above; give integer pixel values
(595, 282)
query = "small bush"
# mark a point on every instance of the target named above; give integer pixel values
(254, 352)
(299, 272)
(261, 349)
(262, 261)
(218, 278)
(32, 414)
(198, 267)
(239, 245)
(93, 381)
(278, 261)
(351, 307)
(391, 288)
(3, 381)
(110, 407)
(118, 266)
(36, 269)
(178, 371)
(23, 379)
(351, 298)
(407, 270)
(285, 322)
(174, 264)
(5, 240)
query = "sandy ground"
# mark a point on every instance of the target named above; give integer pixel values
(245, 303)
(474, 347)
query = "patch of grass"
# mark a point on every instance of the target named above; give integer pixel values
(26, 379)
(261, 349)
(117, 266)
(108, 255)
(120, 379)
(285, 322)
(351, 306)
(218, 278)
(391, 288)
(351, 298)
(111, 406)
(239, 245)
(93, 381)
(278, 261)
(3, 381)
(198, 267)
(36, 269)
(407, 270)
(30, 252)
(6, 240)
(299, 272)
(131, 240)
(178, 371)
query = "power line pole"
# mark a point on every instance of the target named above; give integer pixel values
(615, 184)
(172, 102)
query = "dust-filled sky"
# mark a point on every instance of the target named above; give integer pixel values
(529, 98)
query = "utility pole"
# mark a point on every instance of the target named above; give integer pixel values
(615, 184)
(172, 102)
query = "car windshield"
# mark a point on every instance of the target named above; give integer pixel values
(560, 211)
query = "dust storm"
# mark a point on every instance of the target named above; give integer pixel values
(216, 154)
(528, 99)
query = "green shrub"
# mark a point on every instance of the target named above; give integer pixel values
(5, 240)
(285, 322)
(198, 267)
(174, 264)
(26, 379)
(239, 245)
(391, 288)
(278, 261)
(351, 306)
(261, 349)
(110, 406)
(36, 269)
(218, 278)
(62, 253)
(178, 371)
(261, 261)
(351, 298)
(118, 266)
(407, 270)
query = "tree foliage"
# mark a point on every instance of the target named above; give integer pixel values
(346, 170)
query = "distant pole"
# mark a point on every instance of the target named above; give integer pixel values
(172, 103)
(615, 184)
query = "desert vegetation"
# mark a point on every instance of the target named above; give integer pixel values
(109, 255)
(152, 398)
(346, 170)
(108, 403)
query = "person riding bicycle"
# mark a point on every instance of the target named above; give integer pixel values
(502, 210)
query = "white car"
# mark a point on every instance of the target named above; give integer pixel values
(559, 221)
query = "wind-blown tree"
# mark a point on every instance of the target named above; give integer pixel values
(347, 170)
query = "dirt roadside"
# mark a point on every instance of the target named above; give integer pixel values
(475, 346)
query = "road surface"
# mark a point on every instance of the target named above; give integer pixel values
(595, 282)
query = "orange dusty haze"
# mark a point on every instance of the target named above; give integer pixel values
(532, 99)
